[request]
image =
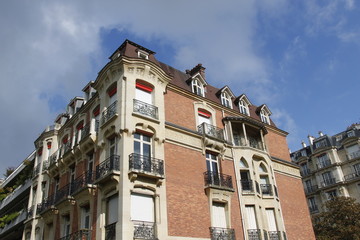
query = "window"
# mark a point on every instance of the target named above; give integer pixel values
(142, 208)
(72, 178)
(85, 217)
(78, 131)
(66, 225)
(331, 194)
(305, 169)
(251, 219)
(112, 147)
(264, 116)
(312, 204)
(308, 184)
(211, 163)
(357, 169)
(37, 234)
(353, 151)
(226, 100)
(321, 143)
(197, 87)
(323, 160)
(303, 153)
(328, 178)
(244, 107)
(57, 182)
(219, 218)
(142, 151)
(143, 92)
(204, 116)
(271, 220)
(351, 133)
(112, 210)
(143, 54)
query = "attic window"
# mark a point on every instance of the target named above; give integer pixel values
(143, 54)
(264, 116)
(226, 100)
(197, 87)
(244, 107)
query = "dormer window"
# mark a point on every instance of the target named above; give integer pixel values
(264, 117)
(226, 100)
(197, 87)
(143, 54)
(244, 108)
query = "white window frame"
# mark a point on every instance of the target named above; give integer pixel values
(85, 213)
(212, 163)
(143, 54)
(264, 117)
(197, 87)
(243, 107)
(226, 100)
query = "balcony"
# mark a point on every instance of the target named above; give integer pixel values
(254, 234)
(354, 155)
(145, 109)
(328, 182)
(311, 189)
(107, 167)
(90, 128)
(266, 189)
(324, 163)
(110, 231)
(108, 113)
(15, 223)
(247, 186)
(20, 192)
(222, 233)
(63, 193)
(83, 234)
(66, 148)
(144, 230)
(211, 131)
(218, 180)
(352, 176)
(46, 204)
(84, 181)
(146, 165)
(313, 209)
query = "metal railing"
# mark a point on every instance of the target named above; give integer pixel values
(352, 176)
(217, 233)
(82, 181)
(45, 204)
(211, 131)
(254, 234)
(67, 147)
(266, 189)
(54, 157)
(146, 164)
(110, 231)
(274, 235)
(83, 234)
(144, 230)
(110, 164)
(218, 179)
(62, 193)
(108, 113)
(328, 182)
(145, 109)
(247, 186)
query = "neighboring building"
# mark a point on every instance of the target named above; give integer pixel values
(151, 152)
(14, 197)
(330, 167)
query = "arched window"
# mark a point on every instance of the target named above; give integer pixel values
(245, 177)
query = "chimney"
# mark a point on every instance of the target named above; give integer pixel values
(321, 133)
(303, 144)
(311, 139)
(197, 69)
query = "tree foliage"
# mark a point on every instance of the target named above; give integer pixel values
(340, 221)
(9, 171)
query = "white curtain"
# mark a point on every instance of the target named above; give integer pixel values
(270, 214)
(251, 217)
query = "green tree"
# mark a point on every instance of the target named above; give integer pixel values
(9, 171)
(340, 221)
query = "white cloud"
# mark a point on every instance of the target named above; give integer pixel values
(49, 49)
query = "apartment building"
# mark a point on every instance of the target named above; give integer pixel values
(330, 167)
(152, 152)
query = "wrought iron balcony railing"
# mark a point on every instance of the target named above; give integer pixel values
(352, 176)
(247, 186)
(222, 233)
(83, 234)
(110, 231)
(67, 147)
(311, 189)
(218, 180)
(211, 131)
(110, 164)
(108, 113)
(145, 109)
(146, 164)
(89, 128)
(62, 193)
(82, 182)
(54, 157)
(45, 204)
(328, 182)
(274, 235)
(266, 189)
(144, 230)
(254, 234)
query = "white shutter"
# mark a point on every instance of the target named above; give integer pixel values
(204, 120)
(142, 208)
(270, 214)
(112, 210)
(251, 217)
(143, 96)
(219, 215)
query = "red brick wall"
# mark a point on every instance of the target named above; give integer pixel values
(294, 208)
(277, 145)
(179, 110)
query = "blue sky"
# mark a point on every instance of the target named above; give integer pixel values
(301, 58)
